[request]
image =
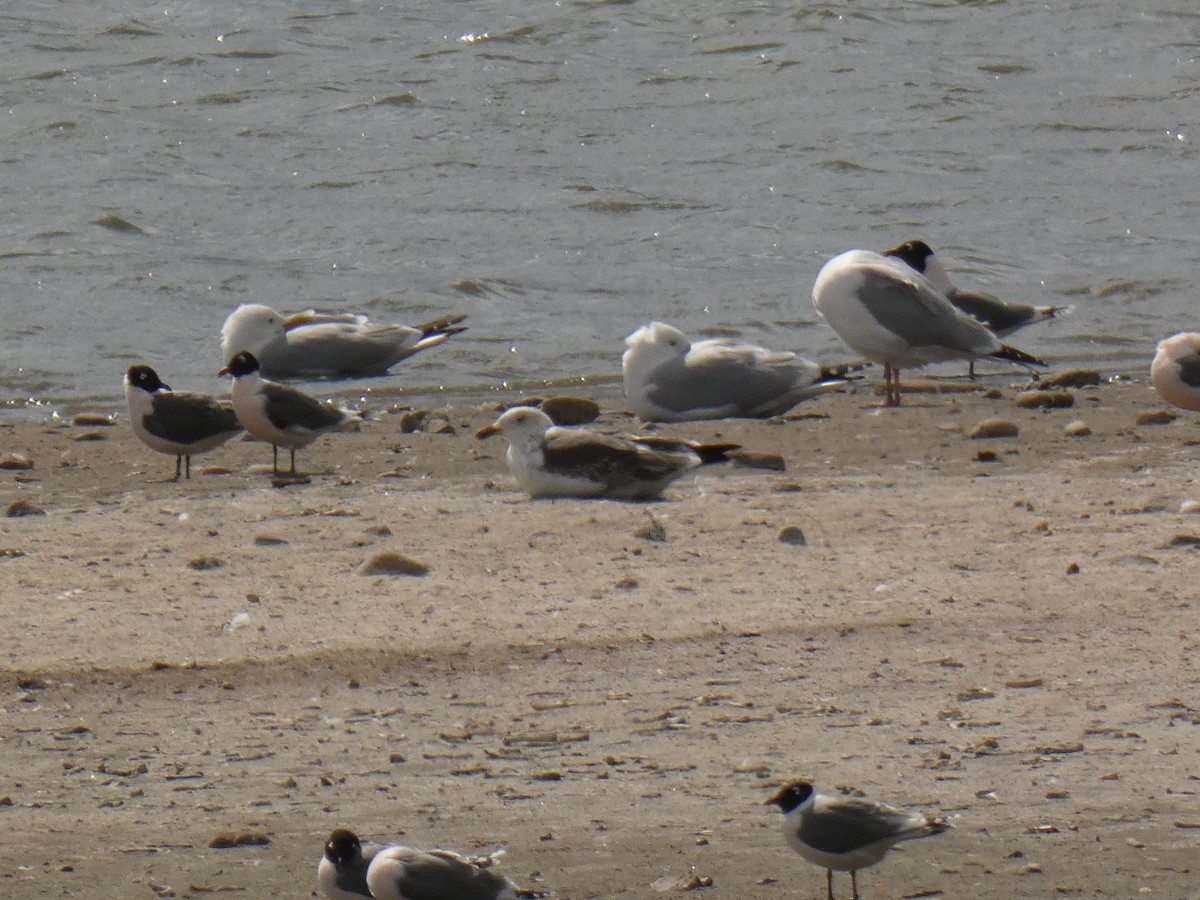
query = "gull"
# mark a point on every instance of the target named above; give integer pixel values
(1176, 370)
(549, 461)
(342, 871)
(282, 416)
(1002, 317)
(890, 313)
(179, 423)
(848, 833)
(324, 345)
(670, 379)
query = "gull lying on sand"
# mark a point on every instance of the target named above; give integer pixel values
(549, 461)
(347, 872)
(282, 416)
(1002, 317)
(179, 423)
(846, 834)
(319, 345)
(890, 313)
(1176, 370)
(670, 379)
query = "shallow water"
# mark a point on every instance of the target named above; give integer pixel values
(564, 172)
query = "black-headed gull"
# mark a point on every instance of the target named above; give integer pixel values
(182, 424)
(280, 415)
(1176, 370)
(323, 345)
(549, 461)
(670, 379)
(846, 833)
(890, 313)
(1002, 317)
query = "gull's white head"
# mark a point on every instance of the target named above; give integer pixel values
(651, 346)
(251, 327)
(523, 424)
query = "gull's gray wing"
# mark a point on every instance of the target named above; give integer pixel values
(340, 348)
(920, 316)
(184, 417)
(287, 408)
(611, 460)
(434, 875)
(837, 825)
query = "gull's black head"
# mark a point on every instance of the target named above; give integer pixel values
(242, 363)
(791, 795)
(145, 378)
(343, 847)
(914, 253)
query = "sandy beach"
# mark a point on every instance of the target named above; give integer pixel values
(1001, 630)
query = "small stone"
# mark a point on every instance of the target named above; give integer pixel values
(203, 563)
(994, 428)
(1045, 399)
(986, 456)
(653, 530)
(411, 421)
(1078, 428)
(1156, 417)
(1071, 378)
(93, 420)
(91, 436)
(571, 410)
(1073, 569)
(1190, 506)
(15, 461)
(1184, 540)
(755, 459)
(19, 508)
(388, 563)
(792, 534)
(268, 540)
(227, 840)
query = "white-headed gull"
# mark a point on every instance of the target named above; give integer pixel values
(669, 379)
(1176, 370)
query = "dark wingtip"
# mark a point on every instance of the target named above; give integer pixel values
(1012, 354)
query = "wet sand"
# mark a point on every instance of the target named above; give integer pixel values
(1001, 630)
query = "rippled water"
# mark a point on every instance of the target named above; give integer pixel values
(564, 172)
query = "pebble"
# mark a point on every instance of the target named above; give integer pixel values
(93, 420)
(15, 461)
(19, 508)
(388, 563)
(1078, 428)
(1189, 506)
(1156, 417)
(203, 563)
(792, 534)
(1071, 378)
(994, 428)
(571, 410)
(227, 839)
(91, 436)
(1045, 399)
(268, 540)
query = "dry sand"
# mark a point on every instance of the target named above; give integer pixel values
(1011, 643)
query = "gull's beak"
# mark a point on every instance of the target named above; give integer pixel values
(223, 372)
(486, 432)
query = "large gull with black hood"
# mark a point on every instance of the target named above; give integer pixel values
(890, 313)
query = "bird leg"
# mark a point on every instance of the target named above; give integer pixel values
(187, 467)
(891, 385)
(829, 883)
(274, 460)
(293, 452)
(854, 882)
(177, 459)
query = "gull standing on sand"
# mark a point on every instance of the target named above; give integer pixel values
(669, 379)
(280, 415)
(1002, 317)
(320, 345)
(179, 423)
(890, 313)
(1176, 370)
(846, 834)
(549, 461)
